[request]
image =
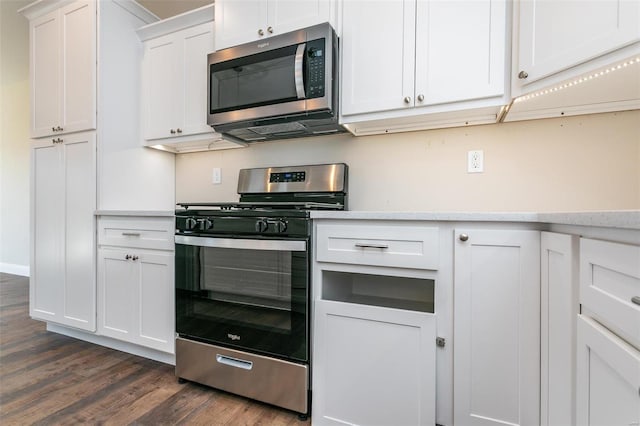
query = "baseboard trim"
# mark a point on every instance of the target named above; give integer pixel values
(10, 268)
(114, 344)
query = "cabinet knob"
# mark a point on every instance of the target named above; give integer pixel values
(463, 237)
(522, 75)
(179, 130)
(173, 132)
(420, 98)
(53, 129)
(270, 30)
(407, 100)
(260, 32)
(127, 257)
(134, 258)
(57, 140)
(60, 129)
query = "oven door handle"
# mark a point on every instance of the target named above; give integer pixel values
(242, 243)
(299, 71)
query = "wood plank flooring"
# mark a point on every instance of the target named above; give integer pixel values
(50, 379)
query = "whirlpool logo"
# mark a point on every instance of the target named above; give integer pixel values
(233, 337)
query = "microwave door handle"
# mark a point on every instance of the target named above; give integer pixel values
(298, 70)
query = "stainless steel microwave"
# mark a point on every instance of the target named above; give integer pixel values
(281, 87)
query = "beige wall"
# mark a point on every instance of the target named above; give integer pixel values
(589, 162)
(14, 138)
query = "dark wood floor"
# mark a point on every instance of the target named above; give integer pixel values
(50, 379)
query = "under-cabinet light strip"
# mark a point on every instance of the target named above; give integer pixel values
(579, 80)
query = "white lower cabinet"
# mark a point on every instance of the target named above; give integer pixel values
(136, 295)
(63, 199)
(608, 382)
(559, 310)
(373, 365)
(496, 327)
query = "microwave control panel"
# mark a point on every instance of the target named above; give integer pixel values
(315, 68)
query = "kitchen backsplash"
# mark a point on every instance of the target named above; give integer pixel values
(575, 163)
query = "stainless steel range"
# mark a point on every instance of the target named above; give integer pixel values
(243, 283)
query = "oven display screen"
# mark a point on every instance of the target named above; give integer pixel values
(287, 177)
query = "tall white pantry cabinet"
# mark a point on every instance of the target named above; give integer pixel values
(86, 151)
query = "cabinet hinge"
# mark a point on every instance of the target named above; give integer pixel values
(440, 342)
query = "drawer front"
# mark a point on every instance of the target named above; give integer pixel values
(137, 232)
(610, 285)
(402, 246)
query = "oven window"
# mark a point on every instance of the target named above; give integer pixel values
(261, 79)
(250, 299)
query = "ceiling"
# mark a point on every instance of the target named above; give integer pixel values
(167, 8)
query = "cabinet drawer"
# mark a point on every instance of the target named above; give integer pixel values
(137, 232)
(403, 246)
(610, 285)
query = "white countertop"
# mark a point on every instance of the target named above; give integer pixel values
(629, 219)
(142, 213)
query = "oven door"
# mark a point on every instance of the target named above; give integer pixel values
(249, 294)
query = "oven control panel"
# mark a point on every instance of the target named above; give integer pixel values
(256, 225)
(283, 177)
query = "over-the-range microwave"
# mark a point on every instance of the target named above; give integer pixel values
(281, 87)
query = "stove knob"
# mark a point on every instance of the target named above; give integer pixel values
(280, 225)
(190, 224)
(261, 225)
(204, 224)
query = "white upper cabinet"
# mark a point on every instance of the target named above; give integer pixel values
(63, 70)
(175, 83)
(556, 35)
(574, 57)
(240, 22)
(407, 58)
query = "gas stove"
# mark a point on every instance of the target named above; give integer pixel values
(273, 201)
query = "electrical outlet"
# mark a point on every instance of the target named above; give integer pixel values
(475, 162)
(217, 176)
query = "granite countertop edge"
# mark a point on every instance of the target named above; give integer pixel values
(628, 219)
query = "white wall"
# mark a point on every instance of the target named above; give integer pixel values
(14, 139)
(589, 162)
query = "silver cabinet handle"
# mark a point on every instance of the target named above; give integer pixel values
(366, 245)
(179, 130)
(636, 300)
(131, 234)
(173, 132)
(53, 129)
(260, 32)
(127, 257)
(420, 98)
(58, 140)
(463, 237)
(407, 99)
(270, 29)
(234, 362)
(60, 129)
(522, 75)
(298, 72)
(134, 258)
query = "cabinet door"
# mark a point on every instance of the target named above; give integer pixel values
(47, 232)
(555, 35)
(63, 198)
(288, 15)
(239, 22)
(45, 74)
(156, 301)
(79, 230)
(608, 378)
(163, 95)
(118, 287)
(497, 327)
(460, 50)
(78, 58)
(378, 55)
(196, 43)
(373, 366)
(559, 311)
